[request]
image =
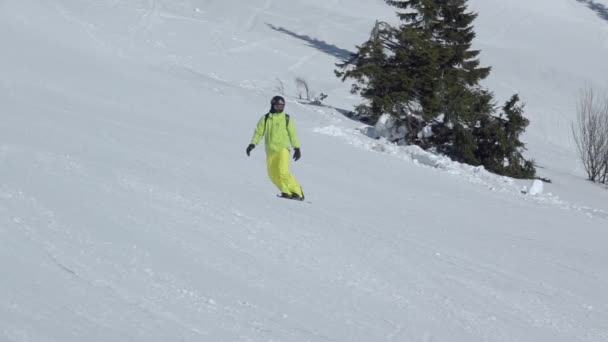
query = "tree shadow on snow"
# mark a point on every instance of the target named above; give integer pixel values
(331, 50)
(600, 9)
(320, 45)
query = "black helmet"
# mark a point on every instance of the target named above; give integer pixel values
(277, 100)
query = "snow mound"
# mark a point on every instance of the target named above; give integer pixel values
(364, 138)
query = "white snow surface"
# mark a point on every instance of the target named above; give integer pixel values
(130, 212)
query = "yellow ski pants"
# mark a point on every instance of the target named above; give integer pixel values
(278, 170)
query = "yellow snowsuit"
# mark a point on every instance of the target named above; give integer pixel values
(280, 135)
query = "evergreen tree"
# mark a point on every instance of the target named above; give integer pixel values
(425, 72)
(378, 78)
(449, 85)
(499, 148)
(417, 13)
(461, 96)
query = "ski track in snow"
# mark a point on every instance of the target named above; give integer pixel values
(128, 241)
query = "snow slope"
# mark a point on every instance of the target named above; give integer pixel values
(130, 212)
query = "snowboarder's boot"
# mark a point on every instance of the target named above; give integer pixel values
(298, 197)
(285, 195)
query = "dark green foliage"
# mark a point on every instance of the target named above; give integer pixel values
(493, 142)
(370, 69)
(424, 72)
(464, 148)
(499, 148)
(389, 71)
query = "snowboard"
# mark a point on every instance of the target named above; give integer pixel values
(293, 199)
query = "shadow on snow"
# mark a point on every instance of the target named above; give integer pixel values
(320, 45)
(600, 9)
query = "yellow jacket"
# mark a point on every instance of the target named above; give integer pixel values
(278, 130)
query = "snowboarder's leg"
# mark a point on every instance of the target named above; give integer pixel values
(288, 181)
(273, 164)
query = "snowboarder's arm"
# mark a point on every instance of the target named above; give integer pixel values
(259, 132)
(293, 136)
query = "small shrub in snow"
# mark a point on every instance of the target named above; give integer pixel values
(303, 89)
(280, 88)
(305, 93)
(318, 99)
(590, 133)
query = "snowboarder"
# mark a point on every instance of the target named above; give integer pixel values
(280, 134)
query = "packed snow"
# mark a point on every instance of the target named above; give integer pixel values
(129, 210)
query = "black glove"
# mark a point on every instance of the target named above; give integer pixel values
(249, 148)
(296, 154)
